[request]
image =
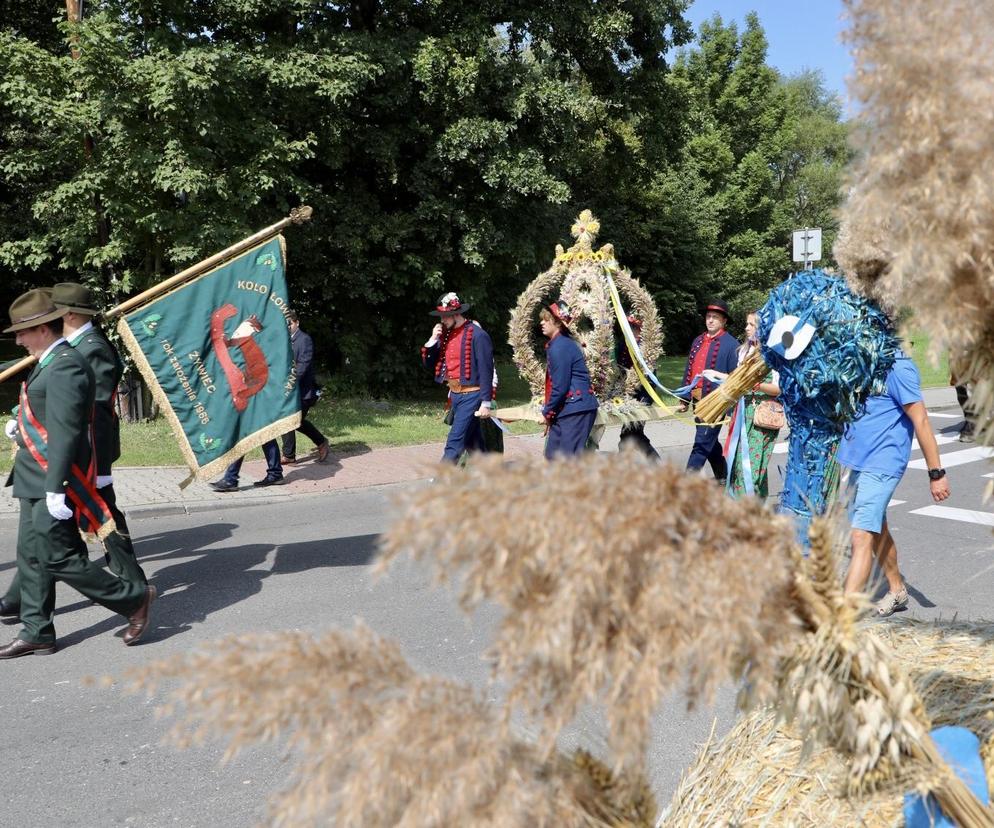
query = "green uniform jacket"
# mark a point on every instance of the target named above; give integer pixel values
(107, 371)
(60, 394)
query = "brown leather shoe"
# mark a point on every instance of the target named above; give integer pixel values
(287, 461)
(138, 621)
(19, 647)
(323, 451)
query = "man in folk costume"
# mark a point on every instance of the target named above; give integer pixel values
(54, 477)
(712, 356)
(81, 333)
(570, 403)
(461, 355)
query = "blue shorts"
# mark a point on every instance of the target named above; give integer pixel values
(870, 492)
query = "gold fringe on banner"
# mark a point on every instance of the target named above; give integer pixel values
(243, 446)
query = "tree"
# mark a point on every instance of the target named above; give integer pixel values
(442, 144)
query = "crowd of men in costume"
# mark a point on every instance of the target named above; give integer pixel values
(875, 449)
(68, 437)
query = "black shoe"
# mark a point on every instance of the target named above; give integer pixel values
(9, 614)
(269, 481)
(223, 485)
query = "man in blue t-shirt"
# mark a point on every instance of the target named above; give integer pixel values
(876, 448)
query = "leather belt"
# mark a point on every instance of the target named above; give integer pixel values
(456, 388)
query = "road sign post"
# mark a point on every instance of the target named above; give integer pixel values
(807, 246)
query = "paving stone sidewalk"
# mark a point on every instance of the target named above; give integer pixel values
(155, 490)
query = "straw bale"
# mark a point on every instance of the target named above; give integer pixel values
(758, 774)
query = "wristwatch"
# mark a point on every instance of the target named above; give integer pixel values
(936, 474)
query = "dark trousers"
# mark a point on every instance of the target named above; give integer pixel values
(465, 433)
(707, 449)
(633, 434)
(274, 468)
(118, 549)
(307, 428)
(118, 552)
(568, 433)
(963, 398)
(50, 550)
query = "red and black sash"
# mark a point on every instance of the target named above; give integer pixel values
(92, 513)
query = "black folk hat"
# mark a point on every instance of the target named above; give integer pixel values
(717, 305)
(33, 308)
(449, 305)
(74, 297)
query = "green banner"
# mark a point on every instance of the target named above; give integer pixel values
(216, 353)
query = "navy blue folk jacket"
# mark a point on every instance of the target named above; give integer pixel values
(477, 370)
(722, 356)
(567, 382)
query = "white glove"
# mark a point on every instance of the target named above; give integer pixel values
(56, 503)
(10, 429)
(104, 480)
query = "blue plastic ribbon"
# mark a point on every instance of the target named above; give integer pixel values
(960, 749)
(686, 389)
(740, 441)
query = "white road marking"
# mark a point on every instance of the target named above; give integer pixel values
(896, 502)
(780, 448)
(947, 416)
(951, 513)
(957, 458)
(941, 439)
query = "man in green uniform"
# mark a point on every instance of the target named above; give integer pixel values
(54, 479)
(90, 341)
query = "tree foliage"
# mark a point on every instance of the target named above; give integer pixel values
(443, 145)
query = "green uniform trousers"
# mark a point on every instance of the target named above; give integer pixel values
(118, 550)
(50, 550)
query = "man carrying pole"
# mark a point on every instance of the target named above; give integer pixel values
(54, 480)
(79, 330)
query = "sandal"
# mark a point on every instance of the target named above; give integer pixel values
(891, 602)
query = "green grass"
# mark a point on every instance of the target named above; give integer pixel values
(934, 374)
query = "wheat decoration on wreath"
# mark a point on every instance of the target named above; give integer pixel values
(579, 276)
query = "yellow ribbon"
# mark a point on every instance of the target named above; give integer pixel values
(632, 346)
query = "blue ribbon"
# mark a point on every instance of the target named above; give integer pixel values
(739, 432)
(686, 389)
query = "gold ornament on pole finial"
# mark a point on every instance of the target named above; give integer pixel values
(579, 276)
(585, 230)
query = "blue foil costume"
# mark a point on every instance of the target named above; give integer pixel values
(823, 384)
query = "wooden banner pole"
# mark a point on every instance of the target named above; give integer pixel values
(298, 215)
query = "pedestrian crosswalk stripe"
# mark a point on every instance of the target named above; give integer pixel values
(957, 458)
(941, 439)
(896, 502)
(951, 513)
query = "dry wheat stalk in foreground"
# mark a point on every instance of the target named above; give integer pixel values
(841, 687)
(760, 768)
(376, 745)
(918, 227)
(622, 579)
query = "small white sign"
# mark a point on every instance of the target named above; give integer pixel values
(807, 244)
